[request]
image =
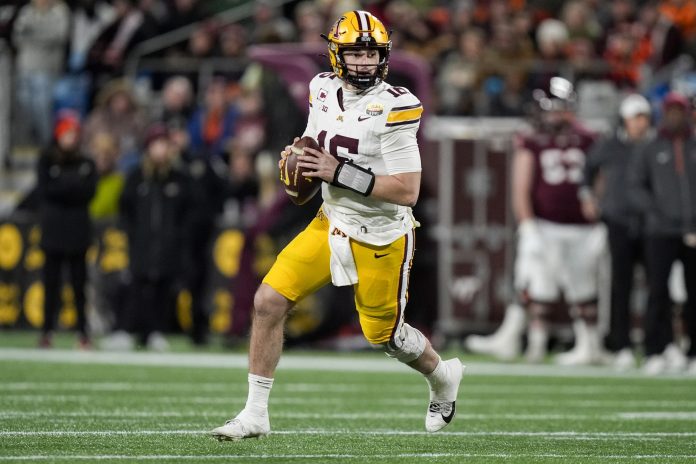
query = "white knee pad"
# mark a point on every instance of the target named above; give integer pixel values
(407, 345)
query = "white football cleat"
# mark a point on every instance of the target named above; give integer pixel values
(157, 342)
(587, 350)
(676, 359)
(624, 360)
(245, 425)
(692, 368)
(654, 365)
(118, 341)
(443, 400)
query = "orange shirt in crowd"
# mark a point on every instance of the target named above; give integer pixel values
(683, 14)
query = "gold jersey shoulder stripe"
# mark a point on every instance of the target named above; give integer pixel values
(405, 113)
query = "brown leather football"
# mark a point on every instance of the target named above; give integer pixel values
(300, 188)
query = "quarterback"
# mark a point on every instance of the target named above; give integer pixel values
(363, 235)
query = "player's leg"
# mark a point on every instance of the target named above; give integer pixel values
(539, 279)
(583, 249)
(52, 284)
(380, 297)
(300, 269)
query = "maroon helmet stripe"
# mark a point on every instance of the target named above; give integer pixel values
(361, 26)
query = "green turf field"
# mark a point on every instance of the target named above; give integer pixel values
(65, 406)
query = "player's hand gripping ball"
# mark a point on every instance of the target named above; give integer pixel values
(300, 188)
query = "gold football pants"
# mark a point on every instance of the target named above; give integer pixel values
(383, 272)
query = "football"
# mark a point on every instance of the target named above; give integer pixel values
(300, 188)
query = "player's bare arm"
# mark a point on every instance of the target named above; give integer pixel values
(522, 178)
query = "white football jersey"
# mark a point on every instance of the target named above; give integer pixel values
(377, 130)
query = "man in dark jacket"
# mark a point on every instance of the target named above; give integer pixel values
(155, 208)
(208, 185)
(605, 177)
(663, 185)
(65, 186)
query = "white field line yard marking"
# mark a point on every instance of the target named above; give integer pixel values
(552, 435)
(358, 387)
(657, 415)
(124, 415)
(516, 456)
(362, 387)
(292, 361)
(302, 400)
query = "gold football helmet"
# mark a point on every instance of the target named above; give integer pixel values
(358, 29)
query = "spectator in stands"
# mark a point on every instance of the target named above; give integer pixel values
(89, 19)
(605, 195)
(580, 21)
(213, 124)
(504, 70)
(624, 58)
(683, 14)
(117, 113)
(130, 27)
(458, 79)
(65, 185)
(104, 151)
(201, 43)
(552, 43)
(611, 17)
(108, 274)
(413, 32)
(232, 47)
(176, 102)
(269, 25)
(183, 13)
(8, 14)
(661, 184)
(155, 210)
(208, 181)
(309, 21)
(658, 34)
(40, 34)
(233, 41)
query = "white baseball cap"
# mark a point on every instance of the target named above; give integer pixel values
(633, 105)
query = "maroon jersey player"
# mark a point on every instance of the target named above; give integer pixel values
(558, 248)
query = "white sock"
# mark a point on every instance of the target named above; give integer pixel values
(259, 390)
(437, 377)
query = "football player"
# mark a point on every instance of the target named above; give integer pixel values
(558, 250)
(363, 235)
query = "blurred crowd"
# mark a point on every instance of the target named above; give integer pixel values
(163, 158)
(486, 57)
